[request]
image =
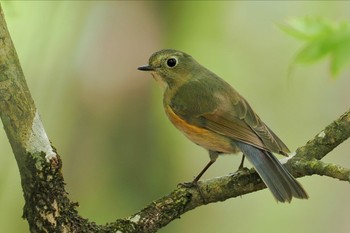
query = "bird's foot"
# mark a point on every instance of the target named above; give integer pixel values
(240, 169)
(188, 184)
(194, 184)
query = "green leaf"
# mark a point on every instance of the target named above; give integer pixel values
(340, 57)
(307, 28)
(321, 38)
(313, 52)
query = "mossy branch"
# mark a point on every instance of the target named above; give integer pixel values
(47, 205)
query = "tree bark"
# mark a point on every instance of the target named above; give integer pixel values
(47, 205)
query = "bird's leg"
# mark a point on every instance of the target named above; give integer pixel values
(241, 165)
(213, 156)
(195, 181)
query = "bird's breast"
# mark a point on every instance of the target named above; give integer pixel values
(201, 136)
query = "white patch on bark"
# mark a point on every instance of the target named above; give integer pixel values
(38, 140)
(322, 134)
(135, 219)
(285, 160)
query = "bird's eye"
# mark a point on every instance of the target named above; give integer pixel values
(171, 62)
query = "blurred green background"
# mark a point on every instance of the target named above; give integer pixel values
(106, 119)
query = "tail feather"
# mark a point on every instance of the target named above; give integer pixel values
(275, 176)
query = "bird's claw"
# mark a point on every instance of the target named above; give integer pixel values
(188, 185)
(193, 184)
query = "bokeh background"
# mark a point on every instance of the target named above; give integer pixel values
(106, 119)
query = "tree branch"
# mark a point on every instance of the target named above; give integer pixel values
(47, 206)
(317, 167)
(327, 139)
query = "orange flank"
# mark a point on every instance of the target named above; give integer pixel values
(201, 136)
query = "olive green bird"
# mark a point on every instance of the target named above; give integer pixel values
(215, 116)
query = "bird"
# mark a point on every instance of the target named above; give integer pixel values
(213, 115)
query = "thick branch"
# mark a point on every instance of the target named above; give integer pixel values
(47, 206)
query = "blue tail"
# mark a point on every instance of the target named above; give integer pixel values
(275, 176)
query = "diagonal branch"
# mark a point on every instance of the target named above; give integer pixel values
(329, 138)
(47, 205)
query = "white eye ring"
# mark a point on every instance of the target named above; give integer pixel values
(171, 62)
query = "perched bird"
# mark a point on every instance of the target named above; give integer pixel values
(215, 116)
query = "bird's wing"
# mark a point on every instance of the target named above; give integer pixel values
(227, 113)
(242, 124)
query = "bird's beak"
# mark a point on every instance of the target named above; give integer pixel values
(145, 68)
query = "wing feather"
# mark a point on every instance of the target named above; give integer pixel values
(222, 110)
